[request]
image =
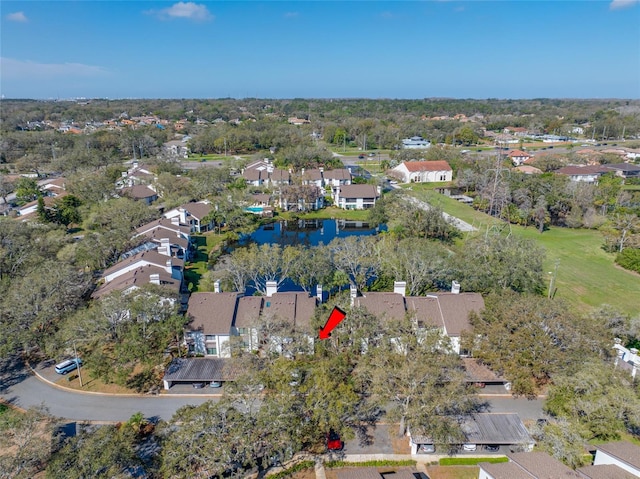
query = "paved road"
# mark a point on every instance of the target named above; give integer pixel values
(20, 387)
(23, 389)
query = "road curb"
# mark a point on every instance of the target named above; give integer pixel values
(124, 395)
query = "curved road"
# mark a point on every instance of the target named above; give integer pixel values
(20, 387)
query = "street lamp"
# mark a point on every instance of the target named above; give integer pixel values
(77, 362)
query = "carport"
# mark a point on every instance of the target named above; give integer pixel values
(196, 370)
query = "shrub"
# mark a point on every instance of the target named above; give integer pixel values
(629, 259)
(470, 461)
(301, 466)
(335, 464)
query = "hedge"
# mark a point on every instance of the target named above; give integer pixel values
(301, 466)
(470, 461)
(334, 464)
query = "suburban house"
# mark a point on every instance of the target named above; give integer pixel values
(255, 177)
(164, 226)
(172, 266)
(501, 430)
(140, 193)
(280, 177)
(423, 171)
(138, 277)
(518, 157)
(176, 149)
(448, 312)
(216, 317)
(136, 175)
(583, 173)
(528, 170)
(193, 214)
(622, 454)
(356, 197)
(415, 142)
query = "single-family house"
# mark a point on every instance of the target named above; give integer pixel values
(140, 193)
(415, 142)
(176, 149)
(193, 214)
(356, 197)
(583, 173)
(528, 170)
(518, 157)
(423, 171)
(623, 454)
(137, 174)
(165, 226)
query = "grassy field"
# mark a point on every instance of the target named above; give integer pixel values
(194, 270)
(587, 275)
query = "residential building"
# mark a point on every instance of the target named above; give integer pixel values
(194, 215)
(518, 157)
(415, 142)
(140, 193)
(623, 454)
(527, 465)
(582, 173)
(423, 171)
(356, 197)
(625, 170)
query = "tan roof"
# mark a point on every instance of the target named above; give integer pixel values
(528, 169)
(622, 450)
(248, 312)
(212, 313)
(542, 466)
(261, 198)
(425, 311)
(359, 191)
(157, 235)
(505, 470)
(198, 209)
(436, 165)
(478, 372)
(359, 473)
(337, 174)
(605, 471)
(383, 305)
(139, 192)
(456, 309)
(165, 224)
(251, 174)
(280, 175)
(312, 175)
(137, 278)
(151, 257)
(518, 153)
(296, 307)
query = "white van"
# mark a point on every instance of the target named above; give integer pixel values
(69, 365)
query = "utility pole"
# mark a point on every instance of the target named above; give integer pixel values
(552, 280)
(77, 363)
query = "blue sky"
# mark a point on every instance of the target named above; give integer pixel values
(320, 49)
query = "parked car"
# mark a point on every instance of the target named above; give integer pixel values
(361, 156)
(197, 385)
(469, 447)
(334, 443)
(215, 384)
(492, 447)
(426, 449)
(67, 366)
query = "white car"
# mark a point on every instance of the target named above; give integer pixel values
(469, 447)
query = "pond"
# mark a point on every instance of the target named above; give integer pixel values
(309, 232)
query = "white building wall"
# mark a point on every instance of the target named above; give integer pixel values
(604, 458)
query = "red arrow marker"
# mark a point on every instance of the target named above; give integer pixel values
(336, 316)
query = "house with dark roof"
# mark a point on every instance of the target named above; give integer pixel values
(604, 471)
(173, 266)
(140, 193)
(165, 226)
(137, 278)
(423, 171)
(356, 197)
(625, 170)
(583, 173)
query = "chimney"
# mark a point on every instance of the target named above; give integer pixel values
(319, 293)
(123, 174)
(455, 287)
(154, 279)
(353, 292)
(321, 169)
(272, 287)
(400, 287)
(168, 266)
(183, 216)
(164, 250)
(175, 221)
(135, 164)
(216, 286)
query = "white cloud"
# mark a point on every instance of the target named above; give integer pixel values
(618, 4)
(17, 17)
(25, 69)
(291, 15)
(187, 10)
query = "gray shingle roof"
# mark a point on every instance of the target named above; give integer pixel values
(358, 191)
(199, 369)
(605, 471)
(624, 451)
(542, 466)
(212, 313)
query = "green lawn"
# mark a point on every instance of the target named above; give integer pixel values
(194, 270)
(587, 276)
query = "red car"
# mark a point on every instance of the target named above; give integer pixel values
(333, 442)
